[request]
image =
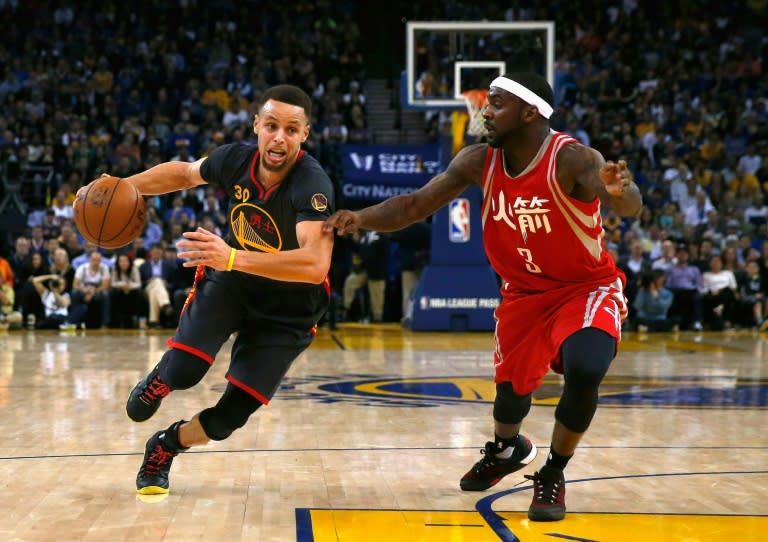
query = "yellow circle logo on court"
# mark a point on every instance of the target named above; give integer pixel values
(616, 391)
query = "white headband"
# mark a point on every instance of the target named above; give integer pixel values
(525, 94)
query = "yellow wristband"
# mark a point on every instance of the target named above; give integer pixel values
(231, 262)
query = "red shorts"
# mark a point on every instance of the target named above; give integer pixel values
(530, 328)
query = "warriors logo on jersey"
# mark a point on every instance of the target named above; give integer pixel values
(319, 202)
(254, 228)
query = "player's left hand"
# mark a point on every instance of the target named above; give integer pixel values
(616, 177)
(621, 302)
(201, 247)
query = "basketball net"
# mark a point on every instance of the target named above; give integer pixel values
(475, 100)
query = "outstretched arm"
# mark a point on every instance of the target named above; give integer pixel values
(166, 177)
(400, 211)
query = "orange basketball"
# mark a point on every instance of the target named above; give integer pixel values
(110, 212)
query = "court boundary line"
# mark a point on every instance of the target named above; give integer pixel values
(387, 449)
(496, 522)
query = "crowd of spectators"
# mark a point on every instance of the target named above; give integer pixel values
(679, 91)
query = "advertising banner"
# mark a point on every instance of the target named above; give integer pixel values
(378, 172)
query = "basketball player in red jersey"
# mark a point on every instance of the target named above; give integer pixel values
(542, 231)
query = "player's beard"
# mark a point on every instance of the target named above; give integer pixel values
(493, 142)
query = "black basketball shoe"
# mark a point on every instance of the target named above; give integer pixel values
(490, 469)
(548, 495)
(146, 396)
(159, 452)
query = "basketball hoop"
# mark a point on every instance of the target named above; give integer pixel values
(476, 100)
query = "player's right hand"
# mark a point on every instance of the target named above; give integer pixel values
(343, 222)
(85, 187)
(616, 177)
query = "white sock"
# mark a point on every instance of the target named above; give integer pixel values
(506, 453)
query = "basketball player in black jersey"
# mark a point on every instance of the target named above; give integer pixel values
(267, 282)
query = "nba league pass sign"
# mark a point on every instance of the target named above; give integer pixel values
(458, 290)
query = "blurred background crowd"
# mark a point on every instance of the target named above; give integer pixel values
(91, 87)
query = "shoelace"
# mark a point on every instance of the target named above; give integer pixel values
(540, 487)
(489, 457)
(157, 460)
(156, 389)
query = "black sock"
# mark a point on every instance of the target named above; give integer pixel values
(503, 443)
(557, 461)
(170, 438)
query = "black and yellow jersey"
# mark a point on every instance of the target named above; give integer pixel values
(264, 219)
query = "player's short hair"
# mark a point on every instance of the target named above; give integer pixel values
(535, 83)
(288, 94)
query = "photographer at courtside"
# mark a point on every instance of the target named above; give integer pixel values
(56, 302)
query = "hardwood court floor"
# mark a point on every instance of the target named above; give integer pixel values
(368, 437)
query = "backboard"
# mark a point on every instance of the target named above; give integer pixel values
(443, 59)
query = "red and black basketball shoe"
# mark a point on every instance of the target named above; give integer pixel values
(548, 495)
(491, 468)
(146, 396)
(159, 452)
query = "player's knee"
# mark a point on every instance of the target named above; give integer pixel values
(576, 413)
(509, 407)
(230, 414)
(181, 370)
(584, 375)
(586, 357)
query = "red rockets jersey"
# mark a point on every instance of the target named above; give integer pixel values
(537, 237)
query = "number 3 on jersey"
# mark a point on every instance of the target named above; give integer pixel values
(529, 265)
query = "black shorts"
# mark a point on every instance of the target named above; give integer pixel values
(265, 347)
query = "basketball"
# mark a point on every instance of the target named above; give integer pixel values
(110, 212)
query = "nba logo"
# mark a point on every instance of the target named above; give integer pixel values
(458, 220)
